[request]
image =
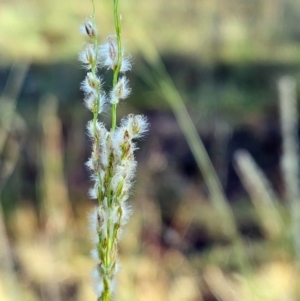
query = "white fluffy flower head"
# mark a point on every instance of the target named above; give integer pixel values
(89, 28)
(120, 91)
(88, 57)
(136, 125)
(109, 53)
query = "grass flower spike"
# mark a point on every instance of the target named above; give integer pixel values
(120, 91)
(109, 55)
(112, 162)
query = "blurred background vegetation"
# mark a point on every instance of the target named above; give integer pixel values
(192, 236)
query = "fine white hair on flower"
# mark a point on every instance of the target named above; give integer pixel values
(104, 159)
(88, 57)
(114, 215)
(94, 254)
(126, 213)
(117, 268)
(88, 28)
(105, 223)
(91, 87)
(123, 144)
(98, 221)
(91, 100)
(124, 197)
(125, 171)
(125, 64)
(92, 218)
(120, 91)
(90, 129)
(117, 181)
(101, 130)
(137, 125)
(130, 170)
(95, 274)
(91, 83)
(95, 179)
(92, 193)
(113, 286)
(98, 282)
(106, 149)
(108, 55)
(90, 164)
(103, 105)
(118, 137)
(122, 180)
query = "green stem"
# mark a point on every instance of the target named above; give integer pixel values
(93, 3)
(105, 296)
(119, 61)
(118, 33)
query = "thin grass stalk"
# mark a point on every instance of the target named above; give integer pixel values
(56, 212)
(170, 93)
(290, 154)
(9, 97)
(119, 61)
(7, 262)
(220, 286)
(261, 194)
(158, 78)
(8, 101)
(217, 196)
(7, 115)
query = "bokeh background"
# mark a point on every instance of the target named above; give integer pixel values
(210, 222)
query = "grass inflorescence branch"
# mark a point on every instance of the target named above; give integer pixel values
(112, 162)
